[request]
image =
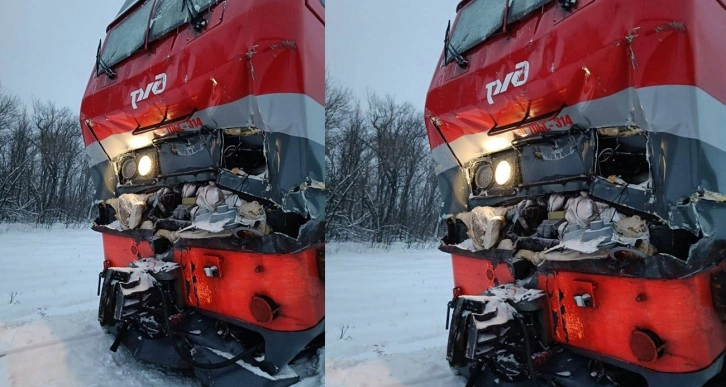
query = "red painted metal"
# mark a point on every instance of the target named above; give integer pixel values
(120, 251)
(578, 59)
(251, 47)
(290, 280)
(471, 275)
(263, 309)
(679, 311)
(575, 57)
(646, 345)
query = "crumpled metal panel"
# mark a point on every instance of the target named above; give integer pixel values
(556, 159)
(652, 67)
(189, 154)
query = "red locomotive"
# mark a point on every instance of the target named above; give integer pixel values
(578, 154)
(203, 123)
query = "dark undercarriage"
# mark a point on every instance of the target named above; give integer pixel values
(152, 323)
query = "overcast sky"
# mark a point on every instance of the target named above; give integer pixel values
(48, 47)
(386, 46)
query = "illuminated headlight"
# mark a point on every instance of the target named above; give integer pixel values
(145, 165)
(484, 175)
(503, 172)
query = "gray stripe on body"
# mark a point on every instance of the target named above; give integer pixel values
(95, 154)
(292, 114)
(684, 111)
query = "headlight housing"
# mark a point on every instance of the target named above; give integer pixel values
(138, 167)
(495, 175)
(128, 168)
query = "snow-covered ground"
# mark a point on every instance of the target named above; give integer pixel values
(385, 316)
(49, 333)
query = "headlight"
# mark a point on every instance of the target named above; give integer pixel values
(145, 164)
(128, 168)
(484, 175)
(503, 172)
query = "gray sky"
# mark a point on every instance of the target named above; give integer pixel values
(386, 46)
(48, 47)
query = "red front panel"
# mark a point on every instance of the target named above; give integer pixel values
(679, 311)
(290, 280)
(576, 56)
(120, 251)
(474, 276)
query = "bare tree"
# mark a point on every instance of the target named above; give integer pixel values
(380, 179)
(44, 177)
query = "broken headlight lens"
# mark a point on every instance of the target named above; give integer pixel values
(128, 168)
(484, 175)
(503, 172)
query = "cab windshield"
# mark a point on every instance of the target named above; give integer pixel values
(128, 36)
(170, 14)
(481, 19)
(161, 16)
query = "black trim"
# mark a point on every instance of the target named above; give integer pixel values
(525, 121)
(658, 378)
(164, 121)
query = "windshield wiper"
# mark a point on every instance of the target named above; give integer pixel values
(449, 48)
(197, 22)
(102, 65)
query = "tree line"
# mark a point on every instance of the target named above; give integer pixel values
(44, 175)
(380, 177)
(380, 180)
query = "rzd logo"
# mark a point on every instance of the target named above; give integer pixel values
(517, 78)
(157, 87)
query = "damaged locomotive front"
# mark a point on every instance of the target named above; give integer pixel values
(207, 156)
(582, 194)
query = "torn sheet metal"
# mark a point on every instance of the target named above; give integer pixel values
(515, 293)
(626, 84)
(704, 255)
(671, 195)
(577, 231)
